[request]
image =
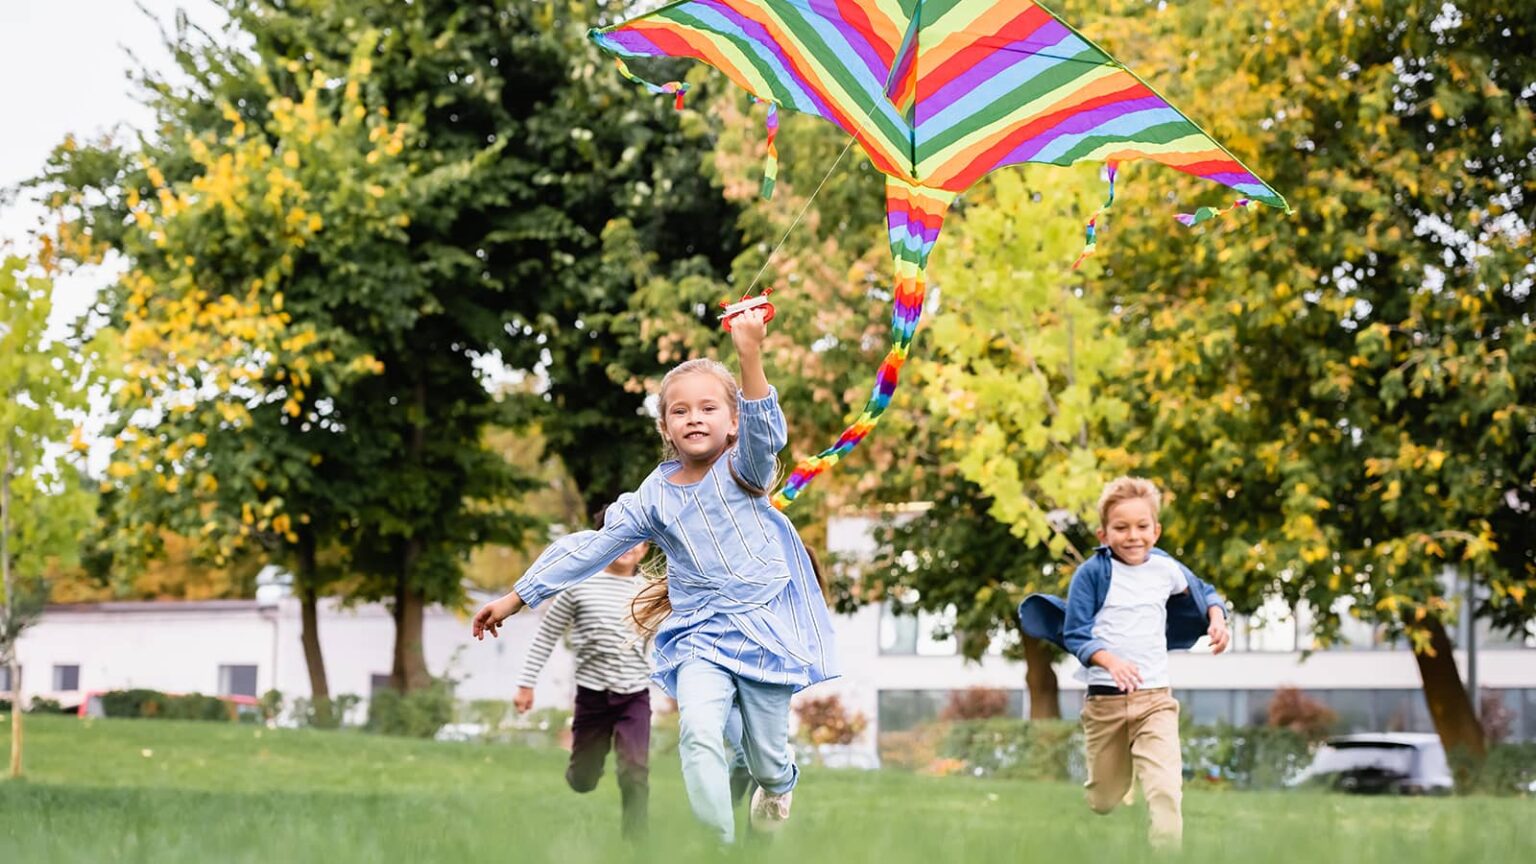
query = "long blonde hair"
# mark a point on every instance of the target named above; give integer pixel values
(651, 605)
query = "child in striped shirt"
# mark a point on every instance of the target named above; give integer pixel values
(613, 697)
(745, 622)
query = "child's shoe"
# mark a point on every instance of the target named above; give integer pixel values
(769, 812)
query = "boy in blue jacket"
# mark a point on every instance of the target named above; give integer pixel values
(1127, 606)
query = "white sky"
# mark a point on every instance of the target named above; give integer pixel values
(63, 69)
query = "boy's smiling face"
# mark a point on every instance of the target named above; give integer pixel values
(1130, 530)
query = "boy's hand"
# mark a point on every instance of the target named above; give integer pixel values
(748, 330)
(490, 616)
(1220, 635)
(1127, 676)
(523, 701)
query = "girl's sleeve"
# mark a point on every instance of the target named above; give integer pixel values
(578, 556)
(760, 434)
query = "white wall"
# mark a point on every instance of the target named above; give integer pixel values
(179, 647)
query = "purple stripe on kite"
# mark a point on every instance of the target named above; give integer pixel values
(1233, 178)
(765, 42)
(991, 66)
(1084, 121)
(631, 43)
(903, 227)
(850, 34)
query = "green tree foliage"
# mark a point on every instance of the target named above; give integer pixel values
(44, 504)
(1341, 401)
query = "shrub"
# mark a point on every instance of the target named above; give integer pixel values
(303, 712)
(271, 705)
(1510, 769)
(825, 720)
(1253, 757)
(41, 705)
(912, 750)
(417, 714)
(1017, 749)
(153, 704)
(1497, 717)
(975, 703)
(1294, 710)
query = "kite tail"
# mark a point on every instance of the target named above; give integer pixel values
(914, 215)
(771, 166)
(1092, 244)
(676, 89)
(1207, 213)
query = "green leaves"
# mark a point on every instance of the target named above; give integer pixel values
(44, 507)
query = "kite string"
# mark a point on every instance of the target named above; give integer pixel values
(798, 217)
(874, 103)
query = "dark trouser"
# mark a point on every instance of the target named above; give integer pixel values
(625, 719)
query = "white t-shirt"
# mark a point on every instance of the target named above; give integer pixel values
(1134, 620)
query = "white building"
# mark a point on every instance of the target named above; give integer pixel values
(895, 671)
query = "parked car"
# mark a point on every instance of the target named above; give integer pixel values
(1393, 763)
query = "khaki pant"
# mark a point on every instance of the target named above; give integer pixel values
(1136, 735)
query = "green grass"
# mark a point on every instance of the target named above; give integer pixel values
(163, 791)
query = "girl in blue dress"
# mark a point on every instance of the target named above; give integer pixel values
(747, 625)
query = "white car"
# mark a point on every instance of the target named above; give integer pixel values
(1399, 763)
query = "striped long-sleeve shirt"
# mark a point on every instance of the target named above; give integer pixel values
(609, 654)
(743, 594)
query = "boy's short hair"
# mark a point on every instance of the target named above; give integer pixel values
(1126, 488)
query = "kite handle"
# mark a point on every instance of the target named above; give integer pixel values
(746, 304)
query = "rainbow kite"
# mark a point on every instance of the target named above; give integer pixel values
(937, 93)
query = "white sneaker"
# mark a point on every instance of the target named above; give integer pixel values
(769, 812)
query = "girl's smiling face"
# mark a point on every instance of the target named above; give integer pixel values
(699, 417)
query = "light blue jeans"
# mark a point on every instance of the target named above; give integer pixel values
(705, 695)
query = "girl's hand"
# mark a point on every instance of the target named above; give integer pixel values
(523, 701)
(748, 330)
(490, 616)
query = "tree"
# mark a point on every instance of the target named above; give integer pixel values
(1342, 401)
(44, 506)
(522, 150)
(1013, 385)
(265, 271)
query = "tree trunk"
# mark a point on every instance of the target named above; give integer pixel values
(1449, 706)
(1040, 675)
(10, 625)
(314, 659)
(409, 672)
(15, 718)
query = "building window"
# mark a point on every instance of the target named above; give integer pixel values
(66, 679)
(5, 678)
(237, 680)
(925, 634)
(377, 682)
(901, 710)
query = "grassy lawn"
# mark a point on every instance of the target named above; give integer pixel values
(162, 791)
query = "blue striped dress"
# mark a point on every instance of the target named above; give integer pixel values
(743, 593)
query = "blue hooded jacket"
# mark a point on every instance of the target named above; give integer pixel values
(1068, 624)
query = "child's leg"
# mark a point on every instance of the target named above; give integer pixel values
(1107, 740)
(591, 730)
(765, 737)
(632, 746)
(704, 696)
(741, 776)
(1159, 764)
